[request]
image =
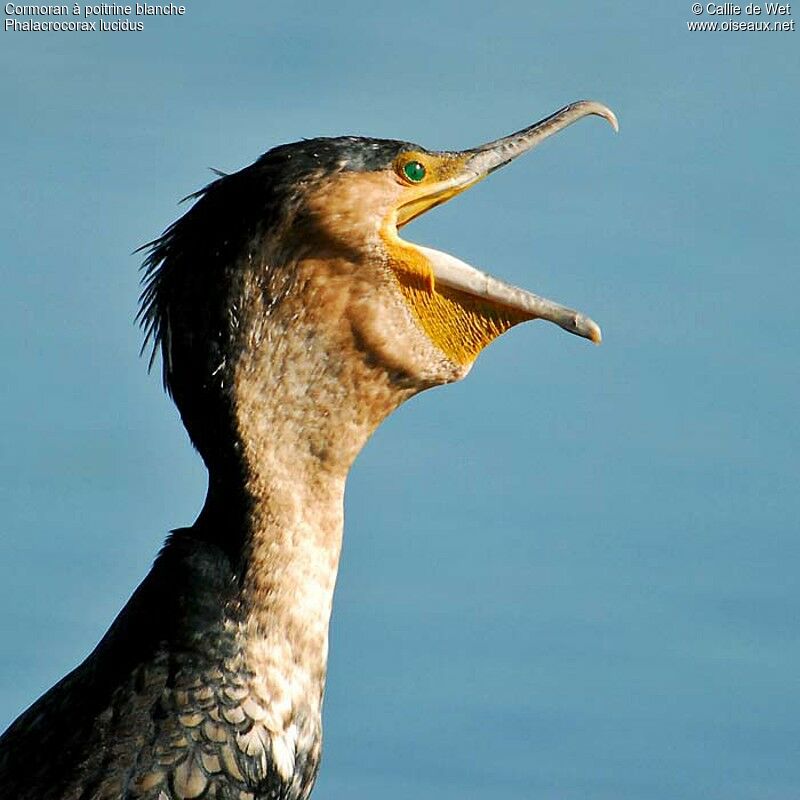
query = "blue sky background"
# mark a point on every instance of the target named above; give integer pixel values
(573, 575)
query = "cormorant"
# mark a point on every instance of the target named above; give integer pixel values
(291, 319)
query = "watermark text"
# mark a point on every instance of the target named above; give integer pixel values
(723, 17)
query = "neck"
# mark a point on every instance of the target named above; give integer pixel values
(283, 534)
(289, 531)
(302, 411)
(303, 407)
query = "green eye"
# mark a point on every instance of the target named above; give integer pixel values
(414, 171)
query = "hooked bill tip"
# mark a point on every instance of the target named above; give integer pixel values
(587, 328)
(612, 120)
(601, 110)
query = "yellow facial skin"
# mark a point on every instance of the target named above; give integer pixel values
(445, 177)
(459, 324)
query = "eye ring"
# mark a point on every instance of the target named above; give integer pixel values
(414, 171)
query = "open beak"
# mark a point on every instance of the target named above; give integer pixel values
(471, 166)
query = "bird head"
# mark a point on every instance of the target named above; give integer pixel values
(299, 258)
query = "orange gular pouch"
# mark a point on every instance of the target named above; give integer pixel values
(459, 324)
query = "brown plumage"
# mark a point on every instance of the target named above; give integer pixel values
(291, 321)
